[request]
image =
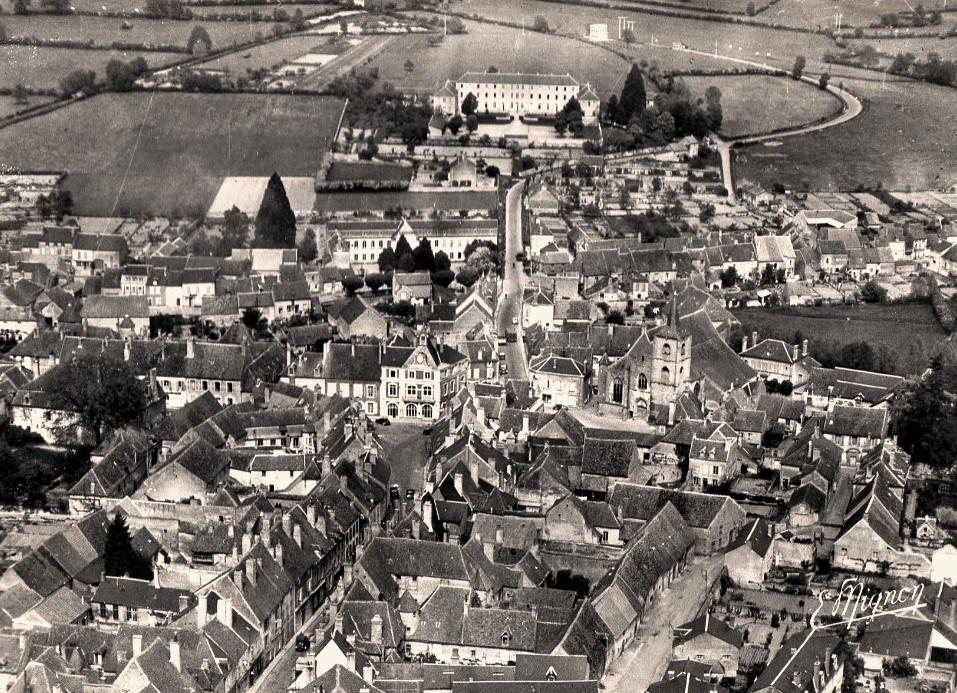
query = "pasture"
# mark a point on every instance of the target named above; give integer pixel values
(273, 54)
(905, 139)
(736, 40)
(241, 11)
(103, 31)
(909, 331)
(43, 67)
(9, 107)
(755, 104)
(509, 50)
(168, 153)
(814, 14)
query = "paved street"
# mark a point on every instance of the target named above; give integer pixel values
(407, 451)
(510, 304)
(646, 661)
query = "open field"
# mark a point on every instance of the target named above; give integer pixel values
(103, 31)
(737, 40)
(812, 14)
(44, 67)
(507, 49)
(9, 107)
(272, 54)
(168, 153)
(920, 47)
(754, 104)
(905, 139)
(308, 10)
(909, 331)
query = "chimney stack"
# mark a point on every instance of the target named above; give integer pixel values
(251, 571)
(797, 352)
(297, 535)
(238, 577)
(287, 524)
(202, 609)
(127, 349)
(499, 535)
(744, 344)
(754, 339)
(474, 470)
(190, 347)
(804, 348)
(375, 630)
(174, 654)
(346, 575)
(278, 554)
(460, 484)
(137, 644)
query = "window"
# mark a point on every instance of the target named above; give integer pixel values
(617, 391)
(506, 639)
(604, 537)
(393, 390)
(666, 350)
(410, 390)
(205, 385)
(427, 411)
(714, 470)
(370, 391)
(682, 349)
(217, 386)
(426, 390)
(665, 375)
(642, 381)
(411, 410)
(393, 410)
(132, 613)
(229, 387)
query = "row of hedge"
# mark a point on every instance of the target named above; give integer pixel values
(92, 45)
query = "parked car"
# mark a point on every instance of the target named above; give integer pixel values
(302, 643)
(426, 431)
(503, 368)
(410, 494)
(383, 421)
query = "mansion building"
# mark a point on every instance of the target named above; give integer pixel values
(516, 94)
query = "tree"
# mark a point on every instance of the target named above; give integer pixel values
(298, 21)
(252, 318)
(101, 390)
(454, 25)
(823, 80)
(199, 42)
(119, 557)
(441, 261)
(751, 9)
(56, 6)
(925, 417)
(409, 66)
(872, 292)
(712, 97)
(402, 247)
(798, 70)
(707, 213)
(375, 281)
(423, 256)
(275, 222)
(308, 250)
(628, 36)
(20, 95)
(467, 276)
(540, 24)
(119, 75)
(767, 275)
(729, 277)
(455, 124)
(899, 667)
(79, 82)
(21, 6)
(443, 277)
(857, 355)
(615, 317)
(561, 122)
(471, 123)
(633, 97)
(469, 104)
(234, 232)
(610, 108)
(387, 260)
(406, 263)
(492, 70)
(352, 284)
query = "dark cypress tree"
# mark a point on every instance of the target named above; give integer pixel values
(119, 557)
(633, 97)
(402, 246)
(275, 222)
(423, 256)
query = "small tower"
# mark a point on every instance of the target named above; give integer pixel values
(670, 360)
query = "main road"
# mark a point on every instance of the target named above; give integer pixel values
(509, 309)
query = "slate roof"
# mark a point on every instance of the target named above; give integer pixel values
(140, 594)
(897, 636)
(792, 668)
(103, 307)
(352, 362)
(517, 78)
(856, 422)
(710, 625)
(699, 510)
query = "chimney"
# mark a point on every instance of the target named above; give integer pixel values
(326, 422)
(797, 352)
(671, 413)
(297, 535)
(154, 389)
(190, 347)
(368, 675)
(337, 620)
(238, 577)
(252, 570)
(952, 612)
(247, 542)
(744, 344)
(375, 630)
(201, 610)
(346, 575)
(524, 423)
(804, 348)
(321, 524)
(439, 471)
(754, 339)
(174, 655)
(499, 535)
(460, 483)
(311, 514)
(278, 554)
(353, 349)
(416, 529)
(227, 619)
(183, 603)
(137, 644)
(287, 524)
(127, 349)
(489, 549)
(288, 355)
(474, 470)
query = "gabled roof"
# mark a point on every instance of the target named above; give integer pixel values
(638, 502)
(756, 535)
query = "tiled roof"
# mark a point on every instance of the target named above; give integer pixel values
(856, 422)
(141, 594)
(699, 510)
(517, 78)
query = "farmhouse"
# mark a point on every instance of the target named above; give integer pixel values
(516, 94)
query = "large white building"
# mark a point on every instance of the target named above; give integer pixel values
(516, 94)
(359, 243)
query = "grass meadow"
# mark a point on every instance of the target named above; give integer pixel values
(509, 50)
(43, 67)
(272, 54)
(168, 153)
(755, 104)
(910, 331)
(905, 139)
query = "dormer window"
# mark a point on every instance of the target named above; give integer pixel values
(506, 638)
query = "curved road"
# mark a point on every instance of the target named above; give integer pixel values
(510, 301)
(852, 107)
